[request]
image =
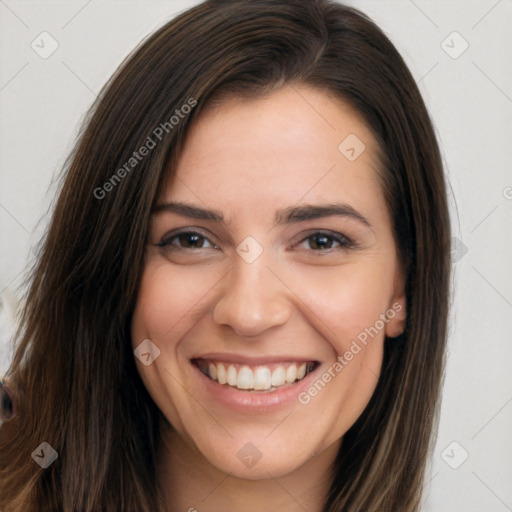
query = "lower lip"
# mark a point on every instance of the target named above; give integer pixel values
(247, 401)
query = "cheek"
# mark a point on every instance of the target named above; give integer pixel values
(347, 301)
(345, 307)
(167, 301)
(168, 304)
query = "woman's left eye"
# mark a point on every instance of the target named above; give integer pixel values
(321, 241)
(187, 240)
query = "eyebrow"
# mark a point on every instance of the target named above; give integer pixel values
(289, 215)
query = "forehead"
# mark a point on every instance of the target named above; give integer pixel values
(295, 144)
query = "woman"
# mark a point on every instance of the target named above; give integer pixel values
(241, 303)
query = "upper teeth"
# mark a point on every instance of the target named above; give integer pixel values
(259, 378)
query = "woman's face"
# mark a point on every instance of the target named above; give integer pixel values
(270, 283)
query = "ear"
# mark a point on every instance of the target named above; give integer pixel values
(397, 310)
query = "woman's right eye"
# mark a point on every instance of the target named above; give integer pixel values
(186, 240)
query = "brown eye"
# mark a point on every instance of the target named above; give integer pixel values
(190, 240)
(321, 241)
(187, 240)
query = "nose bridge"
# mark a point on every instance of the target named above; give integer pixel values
(252, 299)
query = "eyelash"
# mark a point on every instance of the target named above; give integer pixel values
(344, 242)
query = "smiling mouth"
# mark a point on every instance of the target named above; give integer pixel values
(269, 377)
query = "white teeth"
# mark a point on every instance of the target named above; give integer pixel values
(260, 379)
(231, 375)
(291, 373)
(221, 374)
(278, 376)
(212, 371)
(245, 378)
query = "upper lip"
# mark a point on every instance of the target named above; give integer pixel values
(253, 361)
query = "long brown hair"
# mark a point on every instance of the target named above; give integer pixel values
(73, 373)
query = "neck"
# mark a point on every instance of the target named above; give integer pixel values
(190, 483)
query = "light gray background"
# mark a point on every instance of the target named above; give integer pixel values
(42, 102)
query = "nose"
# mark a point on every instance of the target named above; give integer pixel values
(253, 299)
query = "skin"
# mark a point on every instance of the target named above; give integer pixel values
(304, 295)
